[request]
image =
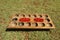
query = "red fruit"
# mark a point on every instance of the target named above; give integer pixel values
(38, 19)
(24, 19)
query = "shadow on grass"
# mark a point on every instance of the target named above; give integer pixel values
(12, 29)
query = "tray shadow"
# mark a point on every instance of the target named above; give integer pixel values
(13, 29)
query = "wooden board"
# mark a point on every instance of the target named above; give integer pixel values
(31, 21)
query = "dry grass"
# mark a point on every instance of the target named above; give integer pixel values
(9, 7)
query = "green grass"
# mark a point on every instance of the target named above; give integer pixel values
(10, 7)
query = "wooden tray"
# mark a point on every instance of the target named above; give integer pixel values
(31, 21)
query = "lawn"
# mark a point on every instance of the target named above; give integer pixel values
(10, 7)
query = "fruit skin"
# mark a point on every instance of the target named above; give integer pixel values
(24, 19)
(38, 19)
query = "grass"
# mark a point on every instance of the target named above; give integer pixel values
(10, 7)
